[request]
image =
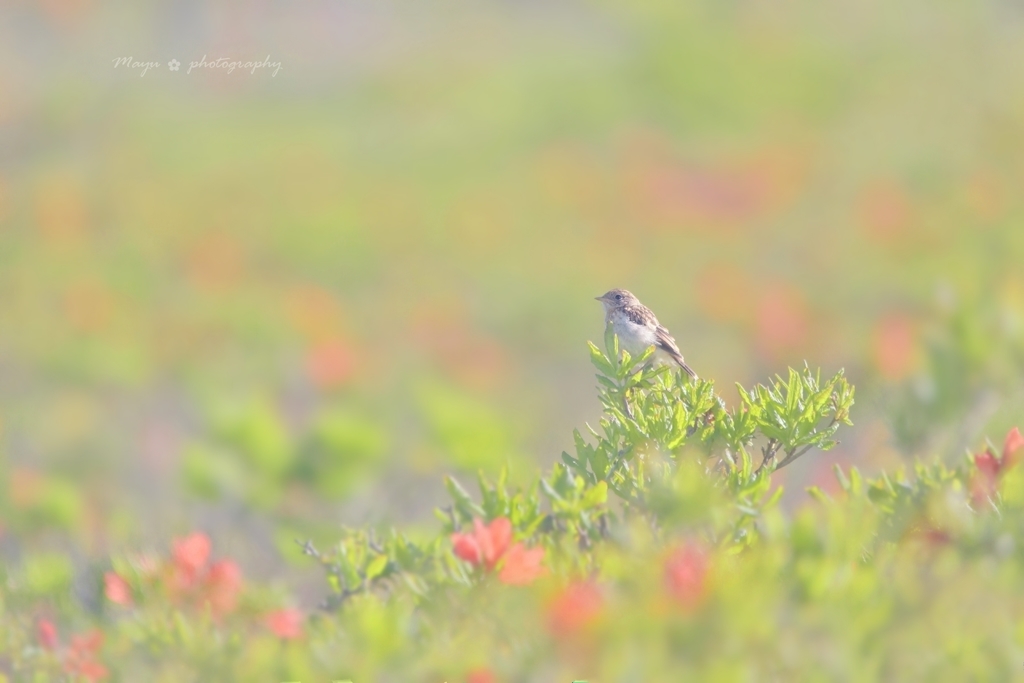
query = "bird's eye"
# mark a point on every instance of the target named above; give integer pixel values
(618, 297)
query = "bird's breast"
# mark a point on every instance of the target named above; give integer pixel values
(634, 338)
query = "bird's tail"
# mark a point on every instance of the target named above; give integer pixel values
(687, 369)
(678, 358)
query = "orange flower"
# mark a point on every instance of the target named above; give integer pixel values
(80, 659)
(215, 261)
(223, 583)
(782, 320)
(190, 555)
(313, 311)
(725, 292)
(87, 643)
(486, 544)
(46, 634)
(578, 605)
(522, 565)
(329, 364)
(690, 194)
(27, 487)
(894, 347)
(885, 212)
(481, 676)
(285, 623)
(685, 574)
(62, 214)
(89, 306)
(117, 589)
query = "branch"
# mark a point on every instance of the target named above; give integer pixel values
(768, 452)
(793, 455)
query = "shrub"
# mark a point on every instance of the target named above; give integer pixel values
(657, 550)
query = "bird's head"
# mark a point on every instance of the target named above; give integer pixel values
(617, 297)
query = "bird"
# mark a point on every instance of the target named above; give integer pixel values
(638, 328)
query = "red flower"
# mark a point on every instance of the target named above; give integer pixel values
(46, 634)
(88, 643)
(1014, 442)
(985, 482)
(223, 583)
(88, 669)
(190, 555)
(894, 347)
(782, 319)
(216, 586)
(578, 605)
(329, 364)
(117, 589)
(522, 566)
(933, 536)
(486, 544)
(481, 676)
(685, 573)
(988, 464)
(285, 623)
(80, 659)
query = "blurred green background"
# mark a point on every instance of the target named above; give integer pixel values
(266, 306)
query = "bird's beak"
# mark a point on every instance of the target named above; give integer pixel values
(599, 298)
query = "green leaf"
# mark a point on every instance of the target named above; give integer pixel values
(856, 481)
(48, 574)
(550, 491)
(841, 476)
(463, 502)
(611, 341)
(818, 495)
(259, 434)
(599, 360)
(596, 495)
(793, 392)
(599, 463)
(376, 567)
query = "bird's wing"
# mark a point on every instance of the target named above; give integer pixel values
(666, 343)
(641, 315)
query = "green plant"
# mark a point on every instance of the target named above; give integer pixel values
(657, 550)
(659, 432)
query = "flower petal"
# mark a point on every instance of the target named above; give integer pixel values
(1014, 442)
(522, 565)
(191, 553)
(117, 589)
(499, 535)
(285, 623)
(465, 547)
(685, 573)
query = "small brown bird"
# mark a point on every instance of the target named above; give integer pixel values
(638, 328)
